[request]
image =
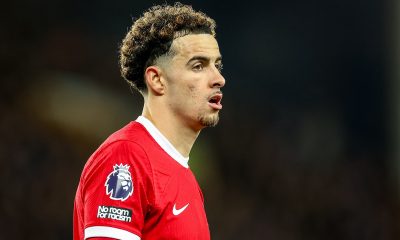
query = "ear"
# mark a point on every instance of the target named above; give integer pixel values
(154, 81)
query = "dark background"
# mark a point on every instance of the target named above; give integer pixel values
(305, 148)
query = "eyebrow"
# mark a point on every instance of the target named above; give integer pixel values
(203, 58)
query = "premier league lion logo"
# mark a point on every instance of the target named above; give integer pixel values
(119, 183)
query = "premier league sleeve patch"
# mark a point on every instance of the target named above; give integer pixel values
(119, 183)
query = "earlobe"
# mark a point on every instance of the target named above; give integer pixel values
(154, 81)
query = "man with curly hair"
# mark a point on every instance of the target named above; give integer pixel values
(138, 184)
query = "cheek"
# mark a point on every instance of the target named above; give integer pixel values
(192, 88)
(193, 92)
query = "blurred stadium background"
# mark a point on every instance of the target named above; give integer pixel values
(307, 146)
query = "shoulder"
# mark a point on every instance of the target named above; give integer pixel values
(130, 143)
(133, 132)
(127, 146)
(121, 158)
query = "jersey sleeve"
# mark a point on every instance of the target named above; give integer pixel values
(117, 192)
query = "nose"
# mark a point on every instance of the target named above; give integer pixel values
(218, 80)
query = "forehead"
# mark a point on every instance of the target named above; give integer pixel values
(196, 44)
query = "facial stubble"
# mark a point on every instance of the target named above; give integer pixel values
(210, 120)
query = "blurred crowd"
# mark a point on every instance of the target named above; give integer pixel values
(301, 149)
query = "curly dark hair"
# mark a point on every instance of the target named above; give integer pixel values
(151, 36)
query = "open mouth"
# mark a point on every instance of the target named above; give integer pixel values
(215, 101)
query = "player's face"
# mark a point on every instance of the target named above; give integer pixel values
(194, 80)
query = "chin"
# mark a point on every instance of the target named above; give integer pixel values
(209, 121)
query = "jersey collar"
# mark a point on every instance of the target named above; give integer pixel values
(163, 141)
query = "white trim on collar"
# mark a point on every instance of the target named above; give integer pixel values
(163, 141)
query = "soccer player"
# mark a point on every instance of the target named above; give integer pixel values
(137, 184)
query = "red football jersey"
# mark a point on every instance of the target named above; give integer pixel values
(138, 186)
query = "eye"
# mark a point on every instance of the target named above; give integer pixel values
(219, 66)
(198, 67)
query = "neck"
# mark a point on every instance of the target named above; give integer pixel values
(181, 136)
